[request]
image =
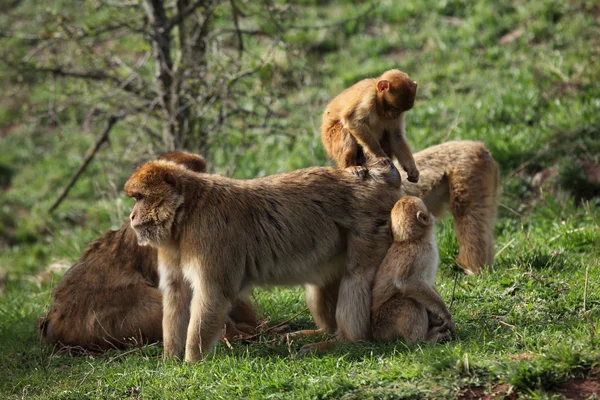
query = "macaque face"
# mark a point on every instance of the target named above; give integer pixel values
(147, 229)
(398, 92)
(155, 209)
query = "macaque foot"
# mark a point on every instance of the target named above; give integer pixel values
(358, 171)
(280, 330)
(307, 332)
(438, 335)
(316, 347)
(448, 325)
(383, 169)
(441, 333)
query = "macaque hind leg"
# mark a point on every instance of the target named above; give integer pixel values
(353, 313)
(316, 347)
(429, 297)
(321, 302)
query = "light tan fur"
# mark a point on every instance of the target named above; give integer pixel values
(366, 123)
(110, 298)
(463, 175)
(404, 286)
(321, 227)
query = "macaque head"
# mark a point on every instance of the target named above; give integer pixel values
(410, 219)
(396, 93)
(193, 162)
(157, 193)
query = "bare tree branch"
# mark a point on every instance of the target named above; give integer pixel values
(22, 36)
(112, 120)
(261, 64)
(94, 75)
(184, 13)
(161, 46)
(235, 11)
(200, 85)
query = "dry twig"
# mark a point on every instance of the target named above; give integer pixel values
(112, 120)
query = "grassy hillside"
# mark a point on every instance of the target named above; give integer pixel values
(521, 76)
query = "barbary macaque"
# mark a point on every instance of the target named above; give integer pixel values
(366, 123)
(321, 227)
(404, 286)
(463, 175)
(109, 298)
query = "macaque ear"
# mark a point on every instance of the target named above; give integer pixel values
(423, 218)
(383, 85)
(171, 179)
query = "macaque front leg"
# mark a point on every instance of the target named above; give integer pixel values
(402, 151)
(429, 297)
(370, 144)
(208, 314)
(176, 310)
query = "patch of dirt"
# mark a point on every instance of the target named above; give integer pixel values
(580, 389)
(503, 391)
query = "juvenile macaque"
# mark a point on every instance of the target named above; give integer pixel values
(110, 297)
(463, 175)
(403, 290)
(366, 123)
(321, 227)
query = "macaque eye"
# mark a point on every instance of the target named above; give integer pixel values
(138, 196)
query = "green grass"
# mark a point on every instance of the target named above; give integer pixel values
(534, 101)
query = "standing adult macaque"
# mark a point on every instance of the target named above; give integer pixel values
(463, 175)
(321, 227)
(109, 298)
(403, 290)
(366, 123)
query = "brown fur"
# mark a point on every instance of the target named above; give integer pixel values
(366, 122)
(318, 226)
(193, 162)
(403, 289)
(464, 175)
(110, 297)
